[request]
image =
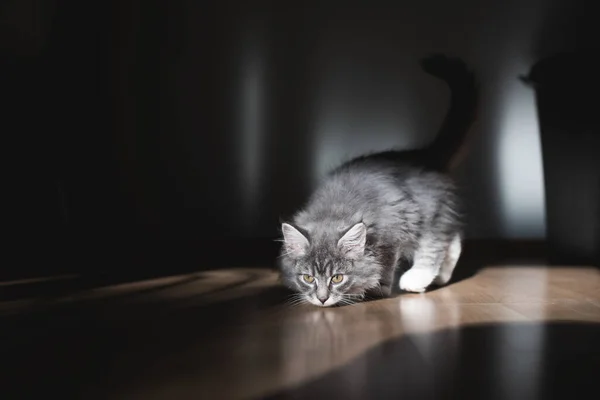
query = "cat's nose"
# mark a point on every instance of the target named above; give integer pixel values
(323, 299)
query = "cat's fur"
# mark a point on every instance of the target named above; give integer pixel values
(378, 209)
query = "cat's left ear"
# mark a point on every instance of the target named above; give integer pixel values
(352, 244)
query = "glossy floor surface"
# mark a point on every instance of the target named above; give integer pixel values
(508, 332)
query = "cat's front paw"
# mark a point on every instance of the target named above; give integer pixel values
(416, 280)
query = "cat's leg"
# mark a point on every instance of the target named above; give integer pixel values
(388, 277)
(385, 289)
(452, 256)
(427, 262)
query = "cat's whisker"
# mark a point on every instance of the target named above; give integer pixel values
(296, 297)
(354, 295)
(380, 289)
(295, 300)
(295, 304)
(347, 302)
(351, 298)
(355, 303)
(292, 297)
(284, 254)
(292, 300)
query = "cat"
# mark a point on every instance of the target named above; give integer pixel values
(376, 210)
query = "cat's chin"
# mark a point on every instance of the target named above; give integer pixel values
(330, 302)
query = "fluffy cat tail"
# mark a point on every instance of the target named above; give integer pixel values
(449, 146)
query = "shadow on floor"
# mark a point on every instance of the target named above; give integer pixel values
(507, 361)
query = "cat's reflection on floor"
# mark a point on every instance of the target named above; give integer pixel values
(317, 339)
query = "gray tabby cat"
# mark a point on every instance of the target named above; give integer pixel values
(377, 210)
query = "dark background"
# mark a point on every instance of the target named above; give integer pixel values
(170, 135)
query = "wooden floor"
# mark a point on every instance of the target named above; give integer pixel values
(508, 332)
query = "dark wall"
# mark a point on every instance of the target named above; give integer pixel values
(145, 121)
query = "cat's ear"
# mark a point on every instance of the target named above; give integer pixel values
(352, 244)
(296, 244)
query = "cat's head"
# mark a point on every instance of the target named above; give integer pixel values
(327, 269)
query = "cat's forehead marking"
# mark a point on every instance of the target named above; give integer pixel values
(319, 265)
(322, 264)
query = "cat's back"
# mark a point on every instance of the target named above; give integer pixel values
(380, 191)
(366, 177)
(381, 179)
(382, 170)
(362, 183)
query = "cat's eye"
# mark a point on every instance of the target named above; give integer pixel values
(337, 278)
(308, 278)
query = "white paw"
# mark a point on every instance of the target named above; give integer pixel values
(443, 278)
(416, 280)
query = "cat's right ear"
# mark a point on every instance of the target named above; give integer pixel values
(352, 244)
(296, 244)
